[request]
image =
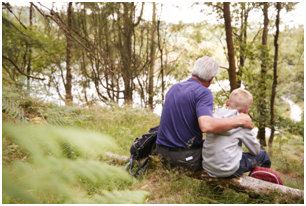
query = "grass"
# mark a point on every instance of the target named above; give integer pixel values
(123, 125)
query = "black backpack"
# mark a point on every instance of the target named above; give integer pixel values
(141, 148)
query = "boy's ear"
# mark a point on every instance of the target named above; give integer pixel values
(227, 102)
(247, 111)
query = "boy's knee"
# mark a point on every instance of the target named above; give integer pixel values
(266, 161)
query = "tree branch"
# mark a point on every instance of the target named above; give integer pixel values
(7, 5)
(7, 58)
(16, 27)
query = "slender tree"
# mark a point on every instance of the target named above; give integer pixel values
(262, 81)
(152, 57)
(30, 49)
(278, 7)
(230, 45)
(68, 85)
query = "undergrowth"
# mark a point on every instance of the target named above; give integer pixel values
(59, 158)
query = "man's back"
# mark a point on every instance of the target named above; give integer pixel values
(185, 102)
(222, 152)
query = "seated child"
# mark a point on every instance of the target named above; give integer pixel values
(222, 153)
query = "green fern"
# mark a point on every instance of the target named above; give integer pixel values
(49, 175)
(13, 109)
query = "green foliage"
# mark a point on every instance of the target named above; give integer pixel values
(49, 173)
(290, 125)
(13, 109)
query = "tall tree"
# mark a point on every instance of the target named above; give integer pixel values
(272, 112)
(244, 9)
(152, 58)
(68, 85)
(263, 74)
(30, 50)
(230, 45)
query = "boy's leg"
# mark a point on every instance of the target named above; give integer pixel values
(249, 162)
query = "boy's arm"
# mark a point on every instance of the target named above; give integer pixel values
(210, 124)
(250, 141)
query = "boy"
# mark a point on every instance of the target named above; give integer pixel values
(222, 153)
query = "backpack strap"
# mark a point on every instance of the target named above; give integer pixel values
(129, 164)
(143, 165)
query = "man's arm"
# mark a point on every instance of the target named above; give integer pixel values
(210, 124)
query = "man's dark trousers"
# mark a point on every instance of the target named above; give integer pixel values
(184, 158)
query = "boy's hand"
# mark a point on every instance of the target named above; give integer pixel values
(245, 121)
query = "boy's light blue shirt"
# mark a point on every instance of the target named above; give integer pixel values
(222, 152)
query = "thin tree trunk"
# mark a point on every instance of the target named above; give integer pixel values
(230, 45)
(262, 82)
(68, 85)
(152, 58)
(278, 5)
(126, 51)
(243, 42)
(30, 51)
(161, 63)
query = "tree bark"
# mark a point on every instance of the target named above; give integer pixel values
(262, 82)
(30, 51)
(251, 186)
(230, 45)
(68, 85)
(161, 63)
(278, 6)
(152, 58)
(243, 42)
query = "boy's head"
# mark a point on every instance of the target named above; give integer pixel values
(241, 100)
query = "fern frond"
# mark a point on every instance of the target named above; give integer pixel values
(13, 109)
(51, 174)
(48, 140)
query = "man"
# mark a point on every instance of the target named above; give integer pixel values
(187, 113)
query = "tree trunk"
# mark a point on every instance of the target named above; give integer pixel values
(244, 183)
(161, 63)
(126, 51)
(68, 85)
(243, 42)
(152, 58)
(262, 82)
(30, 51)
(251, 186)
(230, 45)
(278, 5)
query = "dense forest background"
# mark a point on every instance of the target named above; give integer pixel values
(110, 54)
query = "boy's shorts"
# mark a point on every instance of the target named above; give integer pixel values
(249, 162)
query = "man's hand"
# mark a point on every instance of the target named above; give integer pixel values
(245, 121)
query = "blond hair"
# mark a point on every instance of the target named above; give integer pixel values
(240, 99)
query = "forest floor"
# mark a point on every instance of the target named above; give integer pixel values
(123, 125)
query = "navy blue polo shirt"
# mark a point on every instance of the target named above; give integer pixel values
(185, 102)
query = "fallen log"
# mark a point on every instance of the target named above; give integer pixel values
(251, 186)
(244, 183)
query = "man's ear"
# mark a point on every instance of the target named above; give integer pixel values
(227, 102)
(211, 80)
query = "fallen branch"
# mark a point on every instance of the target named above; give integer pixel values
(118, 158)
(244, 184)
